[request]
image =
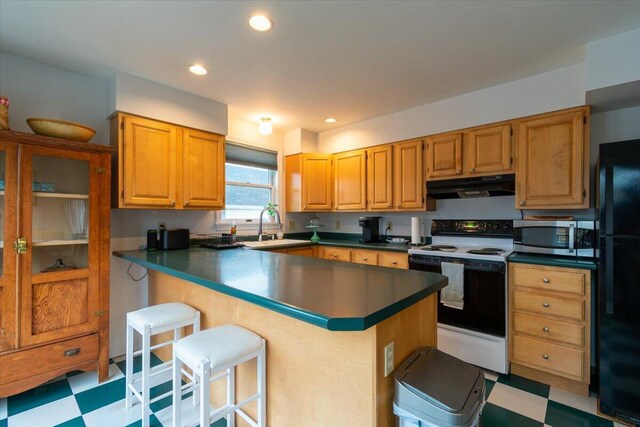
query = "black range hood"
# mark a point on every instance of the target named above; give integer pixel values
(482, 186)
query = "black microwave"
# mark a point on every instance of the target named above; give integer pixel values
(565, 238)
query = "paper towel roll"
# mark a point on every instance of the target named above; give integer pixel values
(415, 230)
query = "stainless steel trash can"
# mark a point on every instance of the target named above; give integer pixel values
(432, 388)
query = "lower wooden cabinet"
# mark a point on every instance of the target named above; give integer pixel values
(366, 256)
(308, 251)
(550, 319)
(335, 253)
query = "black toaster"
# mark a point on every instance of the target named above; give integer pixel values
(173, 238)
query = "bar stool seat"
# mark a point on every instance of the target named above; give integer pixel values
(161, 317)
(211, 355)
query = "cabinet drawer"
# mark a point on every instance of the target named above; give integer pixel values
(364, 257)
(306, 251)
(556, 359)
(568, 333)
(337, 254)
(393, 260)
(27, 363)
(547, 305)
(548, 279)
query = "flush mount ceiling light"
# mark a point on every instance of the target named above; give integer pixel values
(198, 69)
(330, 120)
(265, 127)
(260, 23)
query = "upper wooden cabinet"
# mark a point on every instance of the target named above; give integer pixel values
(444, 155)
(350, 180)
(380, 178)
(308, 183)
(553, 161)
(409, 178)
(487, 150)
(164, 166)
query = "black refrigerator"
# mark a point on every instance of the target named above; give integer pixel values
(619, 280)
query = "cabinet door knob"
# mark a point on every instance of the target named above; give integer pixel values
(305, 207)
(186, 203)
(364, 259)
(545, 329)
(389, 205)
(545, 304)
(458, 171)
(523, 202)
(173, 203)
(472, 170)
(545, 280)
(545, 356)
(335, 255)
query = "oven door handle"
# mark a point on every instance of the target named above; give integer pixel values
(572, 237)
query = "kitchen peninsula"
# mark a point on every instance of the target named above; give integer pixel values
(326, 325)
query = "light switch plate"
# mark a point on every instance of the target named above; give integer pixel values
(389, 364)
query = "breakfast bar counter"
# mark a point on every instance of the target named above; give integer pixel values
(326, 324)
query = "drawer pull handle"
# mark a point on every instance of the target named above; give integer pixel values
(545, 356)
(545, 329)
(365, 258)
(335, 255)
(394, 262)
(72, 352)
(545, 280)
(545, 304)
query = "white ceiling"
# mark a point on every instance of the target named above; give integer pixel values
(349, 59)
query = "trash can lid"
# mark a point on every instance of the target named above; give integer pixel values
(440, 378)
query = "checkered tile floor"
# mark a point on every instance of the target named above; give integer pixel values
(77, 399)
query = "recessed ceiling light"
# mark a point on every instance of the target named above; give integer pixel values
(198, 69)
(260, 22)
(265, 127)
(330, 120)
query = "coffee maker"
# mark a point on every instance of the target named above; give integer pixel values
(370, 229)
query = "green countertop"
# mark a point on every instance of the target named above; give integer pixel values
(338, 296)
(555, 261)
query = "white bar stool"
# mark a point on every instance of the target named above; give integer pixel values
(147, 322)
(213, 354)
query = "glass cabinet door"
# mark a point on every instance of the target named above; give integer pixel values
(58, 219)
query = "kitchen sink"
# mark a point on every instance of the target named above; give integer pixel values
(273, 243)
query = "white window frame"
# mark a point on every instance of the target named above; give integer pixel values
(252, 223)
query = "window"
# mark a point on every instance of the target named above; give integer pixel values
(251, 183)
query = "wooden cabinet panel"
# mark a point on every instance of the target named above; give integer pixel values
(308, 183)
(559, 360)
(548, 305)
(363, 256)
(336, 254)
(409, 178)
(203, 163)
(149, 165)
(349, 177)
(393, 260)
(548, 279)
(545, 328)
(487, 150)
(444, 155)
(380, 178)
(308, 251)
(553, 161)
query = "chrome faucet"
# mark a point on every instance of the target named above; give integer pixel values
(260, 223)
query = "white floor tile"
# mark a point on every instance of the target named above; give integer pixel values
(88, 380)
(113, 415)
(47, 415)
(516, 400)
(584, 403)
(490, 375)
(119, 358)
(3, 409)
(190, 414)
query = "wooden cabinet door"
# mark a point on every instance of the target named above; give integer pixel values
(349, 175)
(203, 181)
(409, 179)
(553, 156)
(8, 208)
(149, 165)
(488, 150)
(61, 226)
(444, 155)
(316, 182)
(380, 178)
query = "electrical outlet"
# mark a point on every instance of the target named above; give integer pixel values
(162, 225)
(389, 364)
(292, 225)
(338, 223)
(389, 225)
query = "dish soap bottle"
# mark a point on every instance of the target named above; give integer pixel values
(233, 231)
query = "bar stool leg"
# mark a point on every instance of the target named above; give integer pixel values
(129, 367)
(177, 394)
(262, 385)
(231, 395)
(205, 383)
(146, 367)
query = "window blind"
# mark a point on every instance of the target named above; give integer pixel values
(242, 155)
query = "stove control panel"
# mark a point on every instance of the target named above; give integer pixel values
(489, 228)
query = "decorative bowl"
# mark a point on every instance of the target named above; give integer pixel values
(61, 129)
